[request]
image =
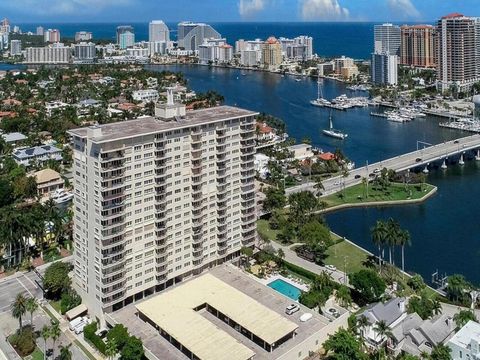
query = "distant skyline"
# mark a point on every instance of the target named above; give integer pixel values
(71, 11)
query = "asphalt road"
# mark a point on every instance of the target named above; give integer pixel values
(20, 283)
(403, 162)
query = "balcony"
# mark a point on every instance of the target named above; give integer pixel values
(197, 164)
(197, 237)
(112, 174)
(112, 271)
(222, 205)
(160, 197)
(111, 262)
(248, 188)
(117, 155)
(197, 225)
(115, 279)
(162, 270)
(197, 262)
(116, 222)
(198, 253)
(161, 258)
(112, 242)
(110, 214)
(110, 195)
(221, 149)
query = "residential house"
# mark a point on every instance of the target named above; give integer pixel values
(48, 181)
(37, 154)
(265, 133)
(14, 137)
(465, 343)
(301, 151)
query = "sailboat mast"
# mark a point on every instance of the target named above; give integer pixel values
(331, 122)
(318, 88)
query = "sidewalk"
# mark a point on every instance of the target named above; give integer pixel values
(39, 268)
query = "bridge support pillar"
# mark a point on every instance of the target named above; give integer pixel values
(444, 164)
(477, 157)
(461, 161)
(425, 171)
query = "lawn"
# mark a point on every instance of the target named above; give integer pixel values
(56, 305)
(264, 230)
(395, 192)
(36, 355)
(355, 257)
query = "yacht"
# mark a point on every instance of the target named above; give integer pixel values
(337, 134)
(320, 101)
(61, 196)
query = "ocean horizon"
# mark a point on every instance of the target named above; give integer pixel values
(353, 39)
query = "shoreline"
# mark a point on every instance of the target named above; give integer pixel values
(384, 203)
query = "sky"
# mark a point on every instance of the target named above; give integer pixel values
(31, 11)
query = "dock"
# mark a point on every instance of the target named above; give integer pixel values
(382, 115)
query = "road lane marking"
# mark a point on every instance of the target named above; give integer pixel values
(25, 288)
(31, 282)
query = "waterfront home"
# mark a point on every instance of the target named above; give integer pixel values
(14, 137)
(37, 154)
(415, 336)
(301, 151)
(145, 96)
(265, 133)
(465, 343)
(48, 181)
(328, 156)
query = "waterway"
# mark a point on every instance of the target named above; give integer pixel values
(444, 230)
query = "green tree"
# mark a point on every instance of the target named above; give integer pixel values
(119, 334)
(301, 205)
(132, 350)
(403, 239)
(274, 199)
(280, 256)
(343, 296)
(383, 330)
(19, 308)
(416, 282)
(31, 306)
(45, 334)
(463, 317)
(111, 349)
(362, 324)
(247, 252)
(456, 288)
(370, 286)
(441, 352)
(343, 345)
(379, 236)
(54, 334)
(56, 279)
(319, 185)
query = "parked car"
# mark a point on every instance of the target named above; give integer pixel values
(292, 309)
(331, 267)
(418, 159)
(357, 176)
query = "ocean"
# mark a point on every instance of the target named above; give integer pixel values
(353, 39)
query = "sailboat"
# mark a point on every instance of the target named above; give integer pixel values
(320, 101)
(337, 134)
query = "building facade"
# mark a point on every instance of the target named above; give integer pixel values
(85, 52)
(160, 199)
(123, 29)
(298, 49)
(49, 55)
(384, 70)
(215, 51)
(465, 344)
(387, 39)
(52, 36)
(192, 35)
(458, 52)
(83, 36)
(158, 31)
(417, 46)
(272, 54)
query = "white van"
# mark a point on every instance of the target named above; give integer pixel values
(75, 322)
(79, 328)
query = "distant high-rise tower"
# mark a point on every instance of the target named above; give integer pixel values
(127, 39)
(387, 39)
(52, 35)
(40, 31)
(123, 29)
(384, 69)
(191, 35)
(15, 47)
(158, 31)
(458, 52)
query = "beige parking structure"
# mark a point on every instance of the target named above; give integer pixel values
(176, 313)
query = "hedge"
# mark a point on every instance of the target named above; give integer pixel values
(94, 339)
(300, 271)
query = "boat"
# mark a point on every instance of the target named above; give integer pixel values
(61, 196)
(320, 101)
(298, 79)
(337, 134)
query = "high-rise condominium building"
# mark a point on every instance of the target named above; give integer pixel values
(49, 55)
(215, 51)
(192, 35)
(127, 39)
(272, 53)
(387, 39)
(158, 31)
(299, 48)
(458, 52)
(417, 46)
(15, 47)
(40, 31)
(85, 52)
(384, 70)
(159, 199)
(123, 29)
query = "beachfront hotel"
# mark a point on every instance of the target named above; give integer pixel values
(159, 199)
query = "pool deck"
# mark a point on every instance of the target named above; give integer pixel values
(298, 285)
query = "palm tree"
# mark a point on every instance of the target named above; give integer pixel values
(280, 256)
(19, 308)
(436, 306)
(111, 349)
(382, 330)
(379, 232)
(343, 296)
(31, 306)
(319, 185)
(365, 186)
(393, 229)
(45, 334)
(362, 323)
(462, 317)
(55, 333)
(345, 174)
(65, 353)
(403, 239)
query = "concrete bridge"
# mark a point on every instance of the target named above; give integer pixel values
(425, 157)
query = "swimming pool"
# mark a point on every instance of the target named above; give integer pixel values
(286, 289)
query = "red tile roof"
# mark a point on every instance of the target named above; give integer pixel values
(452, 16)
(326, 156)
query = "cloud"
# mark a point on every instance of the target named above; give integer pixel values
(248, 8)
(323, 10)
(66, 7)
(403, 8)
